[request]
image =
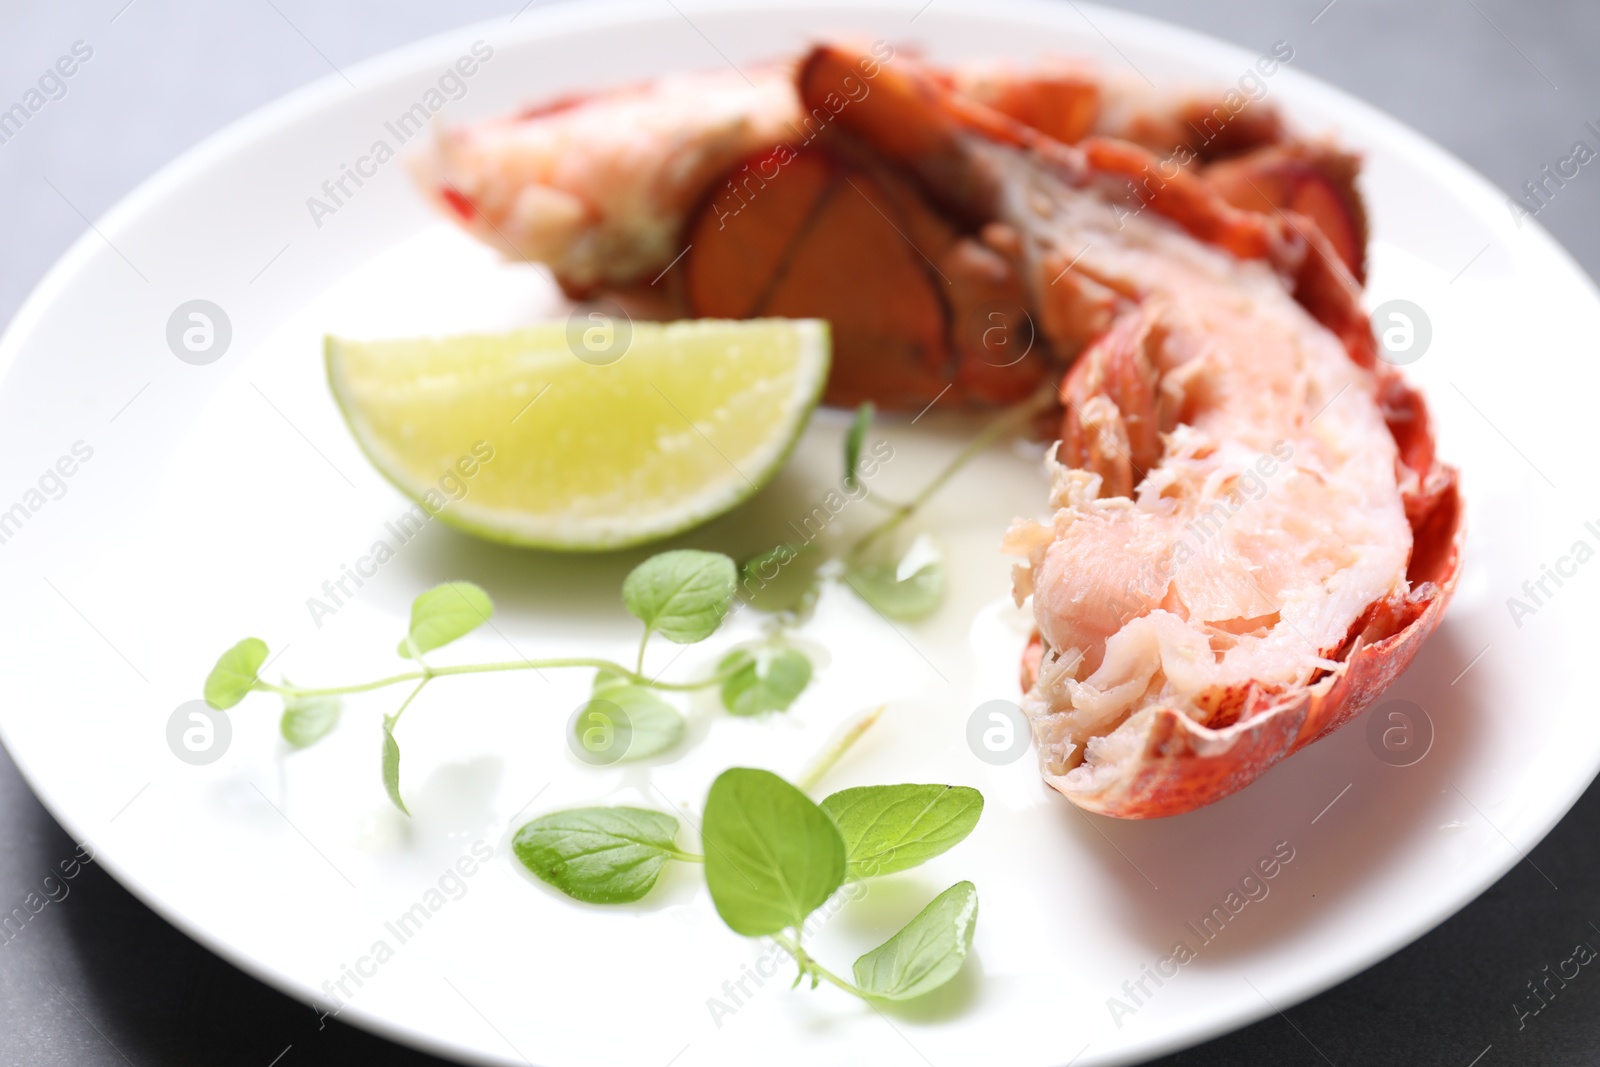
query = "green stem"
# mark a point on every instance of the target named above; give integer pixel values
(633, 677)
(879, 499)
(841, 744)
(687, 857)
(810, 966)
(395, 718)
(365, 687)
(1012, 419)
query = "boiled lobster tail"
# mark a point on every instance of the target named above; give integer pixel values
(1250, 533)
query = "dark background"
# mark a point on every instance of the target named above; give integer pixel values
(98, 979)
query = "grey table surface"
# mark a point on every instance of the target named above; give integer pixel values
(97, 978)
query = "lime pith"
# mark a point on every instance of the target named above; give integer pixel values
(689, 421)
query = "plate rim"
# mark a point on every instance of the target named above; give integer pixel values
(289, 108)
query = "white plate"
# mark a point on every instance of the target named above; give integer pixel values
(219, 498)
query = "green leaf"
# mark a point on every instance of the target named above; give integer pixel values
(914, 598)
(928, 952)
(888, 828)
(781, 578)
(604, 679)
(853, 441)
(598, 855)
(648, 723)
(772, 856)
(601, 731)
(307, 720)
(235, 673)
(391, 766)
(683, 595)
(443, 614)
(763, 679)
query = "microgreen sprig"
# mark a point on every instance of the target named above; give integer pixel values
(682, 596)
(1010, 421)
(772, 857)
(903, 585)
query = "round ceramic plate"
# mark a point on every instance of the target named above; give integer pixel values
(212, 498)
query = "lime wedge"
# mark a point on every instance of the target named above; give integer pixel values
(515, 438)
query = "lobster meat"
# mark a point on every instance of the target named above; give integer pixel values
(1250, 533)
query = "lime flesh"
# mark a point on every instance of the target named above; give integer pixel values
(515, 438)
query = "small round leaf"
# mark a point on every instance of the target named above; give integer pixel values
(236, 673)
